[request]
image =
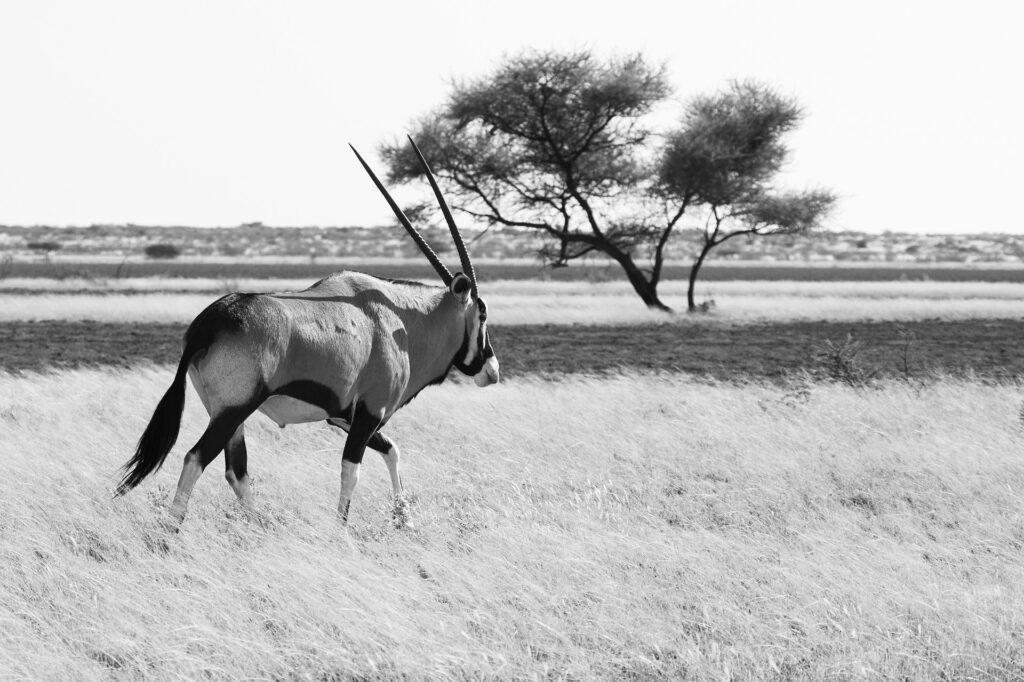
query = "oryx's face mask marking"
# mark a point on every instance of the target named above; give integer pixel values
(479, 360)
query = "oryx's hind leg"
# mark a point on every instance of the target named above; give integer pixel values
(231, 387)
(219, 432)
(235, 466)
(392, 458)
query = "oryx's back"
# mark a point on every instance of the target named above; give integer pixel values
(306, 355)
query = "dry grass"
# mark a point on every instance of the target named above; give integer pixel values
(514, 303)
(634, 526)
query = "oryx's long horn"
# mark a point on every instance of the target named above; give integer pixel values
(467, 265)
(446, 276)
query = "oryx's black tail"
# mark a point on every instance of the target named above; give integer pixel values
(162, 430)
(159, 436)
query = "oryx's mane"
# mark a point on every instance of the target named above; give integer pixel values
(408, 282)
(390, 280)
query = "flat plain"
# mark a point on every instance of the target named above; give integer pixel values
(501, 269)
(685, 496)
(634, 526)
(758, 329)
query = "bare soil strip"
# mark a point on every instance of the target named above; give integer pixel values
(986, 348)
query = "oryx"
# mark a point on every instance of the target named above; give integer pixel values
(349, 350)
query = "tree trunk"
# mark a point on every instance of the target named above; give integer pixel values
(645, 288)
(691, 304)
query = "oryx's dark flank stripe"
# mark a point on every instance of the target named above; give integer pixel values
(315, 393)
(350, 350)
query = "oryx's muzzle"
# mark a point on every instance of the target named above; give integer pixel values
(489, 374)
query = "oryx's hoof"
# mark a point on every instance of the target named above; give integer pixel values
(343, 512)
(400, 514)
(253, 515)
(171, 523)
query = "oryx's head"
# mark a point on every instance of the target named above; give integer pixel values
(476, 356)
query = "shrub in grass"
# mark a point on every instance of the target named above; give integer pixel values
(164, 251)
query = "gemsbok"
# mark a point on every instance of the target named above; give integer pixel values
(350, 350)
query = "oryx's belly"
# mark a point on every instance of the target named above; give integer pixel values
(286, 410)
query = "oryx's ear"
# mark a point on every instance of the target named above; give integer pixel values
(461, 286)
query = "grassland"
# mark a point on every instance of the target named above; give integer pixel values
(685, 497)
(641, 525)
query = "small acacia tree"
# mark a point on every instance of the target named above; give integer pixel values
(44, 247)
(722, 162)
(162, 251)
(560, 143)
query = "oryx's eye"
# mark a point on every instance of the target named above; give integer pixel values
(483, 309)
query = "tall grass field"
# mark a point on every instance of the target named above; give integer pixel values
(631, 526)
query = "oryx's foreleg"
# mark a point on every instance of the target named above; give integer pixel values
(218, 432)
(392, 458)
(363, 426)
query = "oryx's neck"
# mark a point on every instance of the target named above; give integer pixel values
(436, 333)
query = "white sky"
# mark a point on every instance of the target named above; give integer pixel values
(217, 113)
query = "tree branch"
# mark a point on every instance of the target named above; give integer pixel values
(567, 170)
(659, 251)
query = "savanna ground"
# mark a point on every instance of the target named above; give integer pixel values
(815, 479)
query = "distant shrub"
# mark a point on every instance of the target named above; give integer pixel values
(229, 249)
(166, 251)
(705, 306)
(844, 363)
(45, 247)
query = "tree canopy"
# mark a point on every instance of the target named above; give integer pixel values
(561, 143)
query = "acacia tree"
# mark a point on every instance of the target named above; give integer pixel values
(560, 143)
(722, 161)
